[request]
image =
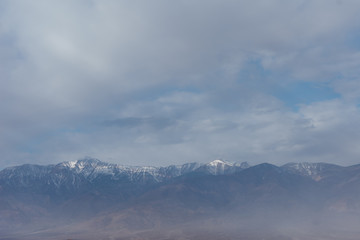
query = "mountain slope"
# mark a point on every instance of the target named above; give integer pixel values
(108, 198)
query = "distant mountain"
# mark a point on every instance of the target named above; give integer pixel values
(109, 198)
(317, 171)
(76, 174)
(79, 189)
(220, 167)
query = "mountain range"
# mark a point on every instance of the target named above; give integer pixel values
(91, 199)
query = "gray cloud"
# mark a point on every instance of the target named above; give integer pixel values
(134, 122)
(176, 81)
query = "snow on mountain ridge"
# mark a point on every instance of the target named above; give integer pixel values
(313, 170)
(221, 167)
(217, 162)
(91, 168)
(73, 174)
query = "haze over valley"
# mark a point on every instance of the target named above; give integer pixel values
(90, 199)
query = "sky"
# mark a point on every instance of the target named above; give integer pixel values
(169, 82)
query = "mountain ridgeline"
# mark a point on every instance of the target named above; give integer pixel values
(90, 199)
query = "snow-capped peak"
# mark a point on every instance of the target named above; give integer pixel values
(90, 170)
(217, 162)
(219, 167)
(72, 164)
(81, 163)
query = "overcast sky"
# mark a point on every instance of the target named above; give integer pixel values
(169, 82)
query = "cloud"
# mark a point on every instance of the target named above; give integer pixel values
(132, 122)
(166, 82)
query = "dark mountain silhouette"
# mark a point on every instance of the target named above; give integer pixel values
(89, 198)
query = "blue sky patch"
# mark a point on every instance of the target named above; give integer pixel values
(298, 93)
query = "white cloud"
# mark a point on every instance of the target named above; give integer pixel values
(204, 66)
